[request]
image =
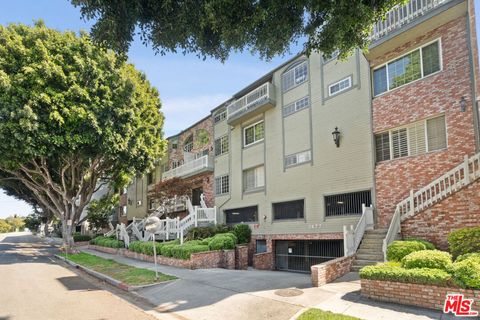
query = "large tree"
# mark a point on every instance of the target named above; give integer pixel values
(216, 27)
(74, 116)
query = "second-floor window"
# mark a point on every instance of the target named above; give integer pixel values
(222, 185)
(221, 145)
(296, 106)
(298, 158)
(414, 65)
(414, 139)
(220, 116)
(188, 144)
(296, 75)
(254, 178)
(253, 133)
(339, 86)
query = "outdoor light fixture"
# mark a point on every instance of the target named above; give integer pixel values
(336, 137)
(463, 104)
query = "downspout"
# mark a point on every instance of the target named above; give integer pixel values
(475, 102)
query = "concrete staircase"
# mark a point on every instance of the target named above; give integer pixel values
(370, 250)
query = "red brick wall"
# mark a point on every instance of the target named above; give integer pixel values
(433, 95)
(462, 209)
(431, 297)
(263, 261)
(241, 257)
(327, 272)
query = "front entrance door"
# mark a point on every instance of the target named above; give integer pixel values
(196, 193)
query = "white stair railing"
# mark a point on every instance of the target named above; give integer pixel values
(352, 237)
(393, 230)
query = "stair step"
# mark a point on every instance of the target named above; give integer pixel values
(376, 231)
(374, 236)
(372, 256)
(355, 268)
(363, 263)
(376, 251)
(372, 241)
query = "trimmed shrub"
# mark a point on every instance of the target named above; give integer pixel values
(394, 273)
(223, 241)
(243, 233)
(466, 273)
(107, 242)
(432, 259)
(81, 237)
(462, 241)
(399, 249)
(428, 245)
(146, 247)
(199, 233)
(166, 250)
(475, 256)
(185, 251)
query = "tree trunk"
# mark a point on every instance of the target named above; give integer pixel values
(67, 234)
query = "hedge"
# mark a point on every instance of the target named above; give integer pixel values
(475, 256)
(81, 237)
(199, 233)
(428, 245)
(462, 241)
(243, 233)
(388, 272)
(399, 249)
(466, 273)
(107, 242)
(184, 251)
(223, 241)
(433, 259)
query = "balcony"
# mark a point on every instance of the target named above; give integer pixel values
(255, 102)
(401, 16)
(190, 168)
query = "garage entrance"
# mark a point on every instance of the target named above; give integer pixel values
(299, 255)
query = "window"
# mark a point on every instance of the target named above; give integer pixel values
(333, 56)
(288, 210)
(261, 246)
(188, 144)
(298, 158)
(222, 185)
(242, 215)
(150, 178)
(347, 203)
(253, 178)
(414, 139)
(201, 154)
(220, 116)
(253, 133)
(174, 144)
(339, 86)
(151, 204)
(296, 106)
(294, 76)
(221, 145)
(410, 67)
(176, 164)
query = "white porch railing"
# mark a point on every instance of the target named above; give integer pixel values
(250, 100)
(205, 162)
(393, 230)
(352, 237)
(402, 15)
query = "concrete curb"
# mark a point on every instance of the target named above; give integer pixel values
(110, 280)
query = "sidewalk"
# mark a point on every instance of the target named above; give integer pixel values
(254, 294)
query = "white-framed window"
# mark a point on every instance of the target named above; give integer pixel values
(295, 76)
(221, 145)
(222, 185)
(340, 86)
(412, 66)
(188, 144)
(414, 139)
(220, 116)
(254, 178)
(297, 158)
(253, 133)
(296, 106)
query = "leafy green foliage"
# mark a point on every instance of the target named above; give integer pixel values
(395, 273)
(475, 255)
(99, 211)
(207, 232)
(33, 221)
(466, 272)
(185, 251)
(428, 245)
(4, 226)
(243, 233)
(77, 237)
(462, 241)
(317, 314)
(399, 249)
(107, 242)
(146, 247)
(215, 28)
(223, 241)
(433, 259)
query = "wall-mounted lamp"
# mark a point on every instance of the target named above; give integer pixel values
(336, 137)
(463, 104)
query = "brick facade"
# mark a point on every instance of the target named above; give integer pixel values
(462, 209)
(426, 296)
(263, 261)
(328, 271)
(436, 94)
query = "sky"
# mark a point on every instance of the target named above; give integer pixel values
(189, 86)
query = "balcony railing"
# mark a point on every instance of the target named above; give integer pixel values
(255, 99)
(402, 15)
(190, 168)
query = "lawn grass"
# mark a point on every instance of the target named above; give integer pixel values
(118, 271)
(317, 314)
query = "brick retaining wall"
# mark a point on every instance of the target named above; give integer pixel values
(241, 257)
(328, 271)
(426, 296)
(263, 261)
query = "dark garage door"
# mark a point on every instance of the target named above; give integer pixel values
(299, 255)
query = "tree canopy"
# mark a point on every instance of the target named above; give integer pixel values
(74, 116)
(215, 28)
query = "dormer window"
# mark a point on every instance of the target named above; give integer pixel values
(188, 144)
(295, 75)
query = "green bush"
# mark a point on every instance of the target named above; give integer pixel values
(199, 233)
(81, 237)
(428, 245)
(432, 259)
(243, 233)
(399, 249)
(184, 251)
(388, 272)
(146, 247)
(475, 255)
(462, 241)
(466, 273)
(166, 250)
(223, 241)
(107, 242)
